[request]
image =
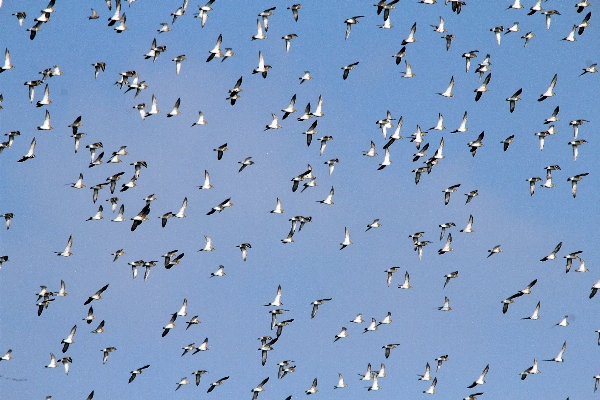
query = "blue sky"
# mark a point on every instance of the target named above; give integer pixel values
(475, 333)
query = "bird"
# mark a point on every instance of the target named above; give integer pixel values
(571, 36)
(97, 295)
(193, 321)
(351, 21)
(440, 360)
(67, 251)
(427, 375)
(277, 302)
(216, 51)
(262, 67)
(406, 283)
(265, 15)
(290, 108)
(531, 370)
(313, 389)
(106, 351)
(201, 120)
(331, 163)
(359, 319)
(208, 246)
(7, 65)
(447, 192)
(319, 110)
(374, 224)
(449, 38)
(216, 383)
(448, 91)
(508, 141)
(295, 8)
(46, 99)
(221, 206)
(98, 66)
(411, 36)
(549, 15)
(220, 150)
(510, 300)
(431, 389)
(476, 144)
(198, 374)
(100, 328)
(341, 335)
(273, 124)
(449, 276)
(480, 380)
(341, 384)
(386, 159)
(563, 322)
(471, 195)
(528, 36)
(494, 250)
(202, 347)
(553, 117)
(469, 227)
(389, 347)
(203, 12)
(371, 152)
(408, 73)
(278, 209)
(52, 363)
(550, 91)
(349, 68)
(399, 55)
(46, 125)
(516, 5)
(329, 199)
(347, 242)
(137, 372)
(288, 42)
(552, 255)
(559, 358)
(583, 24)
(181, 212)
(387, 320)
(7, 218)
(259, 388)
(463, 124)
(574, 180)
(244, 249)
(497, 31)
(444, 226)
(69, 339)
(30, 154)
(513, 28)
(446, 306)
(183, 381)
(98, 214)
(7, 356)
(468, 56)
(21, 15)
(259, 35)
(153, 109)
(90, 317)
(140, 217)
(164, 27)
(316, 305)
(170, 325)
(439, 28)
(513, 99)
(446, 247)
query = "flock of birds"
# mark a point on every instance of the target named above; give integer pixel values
(133, 83)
